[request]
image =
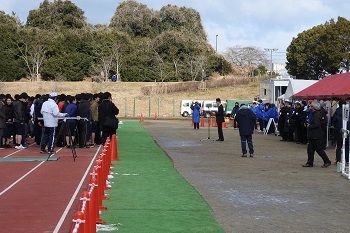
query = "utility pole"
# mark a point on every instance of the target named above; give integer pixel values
(216, 43)
(271, 50)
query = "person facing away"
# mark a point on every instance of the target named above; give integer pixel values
(315, 137)
(195, 114)
(107, 108)
(219, 119)
(246, 120)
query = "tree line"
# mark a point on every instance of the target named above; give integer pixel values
(139, 44)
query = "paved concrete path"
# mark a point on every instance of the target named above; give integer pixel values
(271, 192)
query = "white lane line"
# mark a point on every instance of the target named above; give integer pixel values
(60, 222)
(17, 150)
(22, 177)
(13, 184)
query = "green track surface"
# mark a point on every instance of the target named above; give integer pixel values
(27, 159)
(148, 194)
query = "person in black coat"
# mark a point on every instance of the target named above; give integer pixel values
(337, 122)
(84, 111)
(281, 121)
(315, 137)
(246, 120)
(106, 108)
(233, 114)
(220, 119)
(303, 122)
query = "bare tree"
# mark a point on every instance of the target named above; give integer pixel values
(33, 55)
(109, 54)
(161, 66)
(246, 57)
(197, 64)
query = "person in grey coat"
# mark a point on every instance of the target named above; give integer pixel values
(246, 122)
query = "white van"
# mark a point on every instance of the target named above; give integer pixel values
(185, 107)
(210, 107)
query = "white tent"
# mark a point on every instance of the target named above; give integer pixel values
(296, 85)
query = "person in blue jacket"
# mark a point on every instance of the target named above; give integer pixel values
(270, 112)
(259, 113)
(195, 114)
(71, 125)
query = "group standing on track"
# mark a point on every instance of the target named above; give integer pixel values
(42, 117)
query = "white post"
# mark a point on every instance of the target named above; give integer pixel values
(344, 169)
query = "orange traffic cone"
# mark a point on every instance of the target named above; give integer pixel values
(79, 222)
(141, 118)
(202, 121)
(224, 125)
(211, 122)
(114, 148)
(155, 116)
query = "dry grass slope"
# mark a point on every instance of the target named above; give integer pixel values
(130, 99)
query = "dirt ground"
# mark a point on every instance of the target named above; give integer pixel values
(271, 192)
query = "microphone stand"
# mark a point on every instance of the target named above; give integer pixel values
(208, 138)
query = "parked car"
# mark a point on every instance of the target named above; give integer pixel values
(185, 107)
(210, 107)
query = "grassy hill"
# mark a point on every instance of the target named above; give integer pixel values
(128, 95)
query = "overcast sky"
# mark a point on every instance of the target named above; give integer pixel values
(259, 23)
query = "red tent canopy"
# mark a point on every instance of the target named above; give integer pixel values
(331, 87)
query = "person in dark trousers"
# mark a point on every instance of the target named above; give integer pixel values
(84, 111)
(289, 125)
(50, 113)
(233, 114)
(337, 122)
(246, 120)
(298, 123)
(106, 108)
(281, 120)
(324, 126)
(219, 119)
(315, 137)
(303, 122)
(9, 129)
(2, 119)
(195, 114)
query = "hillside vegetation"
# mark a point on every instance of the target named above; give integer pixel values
(129, 98)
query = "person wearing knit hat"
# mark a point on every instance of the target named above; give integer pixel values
(315, 137)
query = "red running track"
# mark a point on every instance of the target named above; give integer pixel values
(42, 196)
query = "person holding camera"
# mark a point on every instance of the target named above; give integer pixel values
(195, 107)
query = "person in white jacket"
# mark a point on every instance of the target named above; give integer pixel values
(50, 113)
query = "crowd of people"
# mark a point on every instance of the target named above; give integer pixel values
(304, 122)
(55, 120)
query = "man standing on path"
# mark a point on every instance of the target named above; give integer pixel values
(315, 137)
(246, 120)
(219, 119)
(50, 113)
